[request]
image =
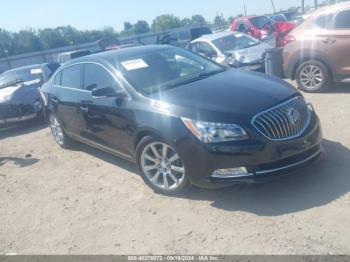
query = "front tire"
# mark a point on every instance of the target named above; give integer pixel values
(57, 132)
(313, 76)
(161, 167)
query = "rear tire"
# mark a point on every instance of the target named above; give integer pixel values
(313, 76)
(161, 167)
(57, 132)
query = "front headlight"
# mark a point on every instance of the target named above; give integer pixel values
(209, 132)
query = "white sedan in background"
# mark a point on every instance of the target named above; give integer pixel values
(234, 49)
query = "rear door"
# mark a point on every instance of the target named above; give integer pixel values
(65, 100)
(107, 123)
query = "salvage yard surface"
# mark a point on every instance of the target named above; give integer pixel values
(83, 201)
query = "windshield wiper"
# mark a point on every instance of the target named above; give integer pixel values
(17, 81)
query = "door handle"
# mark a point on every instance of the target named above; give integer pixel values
(329, 41)
(84, 109)
(54, 99)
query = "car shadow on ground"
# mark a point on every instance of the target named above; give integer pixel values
(316, 185)
(339, 88)
(23, 128)
(109, 158)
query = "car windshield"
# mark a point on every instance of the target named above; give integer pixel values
(260, 21)
(235, 42)
(24, 75)
(164, 69)
(279, 18)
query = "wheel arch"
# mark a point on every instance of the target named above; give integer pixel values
(144, 133)
(305, 56)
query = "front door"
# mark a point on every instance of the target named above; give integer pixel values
(107, 122)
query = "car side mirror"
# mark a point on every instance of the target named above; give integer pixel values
(104, 92)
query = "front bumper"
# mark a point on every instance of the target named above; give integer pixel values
(11, 113)
(263, 159)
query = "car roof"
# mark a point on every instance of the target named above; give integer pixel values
(119, 54)
(215, 36)
(331, 9)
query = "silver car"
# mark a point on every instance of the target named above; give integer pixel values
(234, 49)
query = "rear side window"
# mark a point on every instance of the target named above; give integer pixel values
(324, 21)
(342, 20)
(96, 76)
(70, 77)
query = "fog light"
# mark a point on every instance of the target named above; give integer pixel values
(230, 172)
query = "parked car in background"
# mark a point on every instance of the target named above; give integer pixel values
(181, 37)
(19, 95)
(317, 52)
(66, 56)
(263, 27)
(233, 49)
(182, 118)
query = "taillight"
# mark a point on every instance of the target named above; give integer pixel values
(288, 39)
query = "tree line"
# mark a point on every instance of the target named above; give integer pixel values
(30, 40)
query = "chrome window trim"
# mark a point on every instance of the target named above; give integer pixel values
(83, 63)
(278, 106)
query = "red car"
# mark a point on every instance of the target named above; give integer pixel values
(262, 27)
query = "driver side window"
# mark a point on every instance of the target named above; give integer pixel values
(206, 50)
(96, 77)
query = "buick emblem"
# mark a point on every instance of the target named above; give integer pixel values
(293, 116)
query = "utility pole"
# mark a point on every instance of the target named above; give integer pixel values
(245, 10)
(302, 6)
(316, 4)
(273, 6)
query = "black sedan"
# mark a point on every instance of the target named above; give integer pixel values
(182, 118)
(19, 94)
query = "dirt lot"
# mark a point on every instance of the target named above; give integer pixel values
(83, 201)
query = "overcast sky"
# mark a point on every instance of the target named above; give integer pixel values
(96, 14)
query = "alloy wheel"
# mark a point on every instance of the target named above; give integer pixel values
(311, 76)
(56, 129)
(162, 166)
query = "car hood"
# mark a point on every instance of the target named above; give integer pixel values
(250, 54)
(233, 96)
(19, 94)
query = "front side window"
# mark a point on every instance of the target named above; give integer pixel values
(163, 69)
(342, 20)
(206, 49)
(96, 77)
(235, 42)
(70, 77)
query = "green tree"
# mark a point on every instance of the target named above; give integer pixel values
(198, 20)
(219, 21)
(141, 27)
(186, 22)
(128, 29)
(165, 22)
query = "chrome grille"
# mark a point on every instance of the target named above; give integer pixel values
(284, 121)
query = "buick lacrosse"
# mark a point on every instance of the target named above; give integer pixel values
(182, 118)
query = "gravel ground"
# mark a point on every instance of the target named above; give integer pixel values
(83, 201)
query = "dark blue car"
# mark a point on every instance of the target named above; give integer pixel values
(19, 94)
